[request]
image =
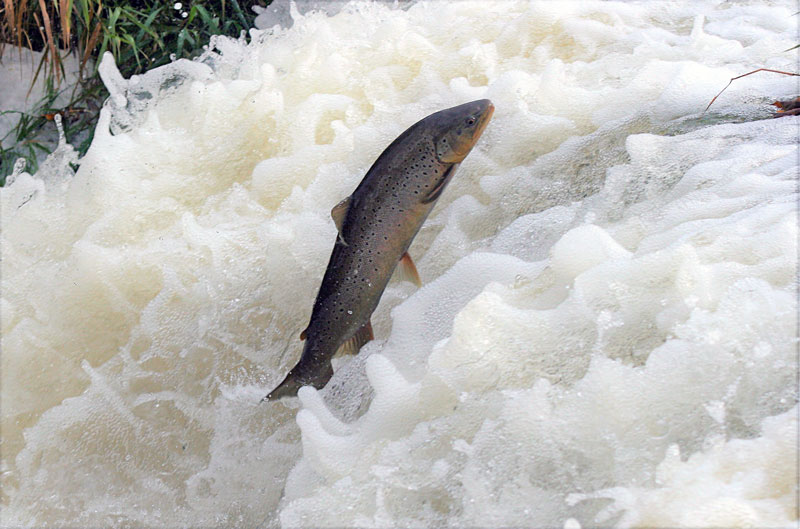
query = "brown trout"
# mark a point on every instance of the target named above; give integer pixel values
(376, 226)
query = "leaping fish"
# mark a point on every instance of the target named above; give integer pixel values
(376, 225)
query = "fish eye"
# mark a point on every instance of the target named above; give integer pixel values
(470, 120)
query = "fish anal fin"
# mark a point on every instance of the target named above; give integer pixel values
(339, 212)
(436, 192)
(407, 271)
(354, 344)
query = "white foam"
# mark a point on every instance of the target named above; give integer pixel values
(607, 328)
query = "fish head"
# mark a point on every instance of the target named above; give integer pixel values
(457, 129)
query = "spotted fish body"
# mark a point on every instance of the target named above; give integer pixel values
(377, 224)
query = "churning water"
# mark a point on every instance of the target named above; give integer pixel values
(606, 334)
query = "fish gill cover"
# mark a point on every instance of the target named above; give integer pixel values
(606, 334)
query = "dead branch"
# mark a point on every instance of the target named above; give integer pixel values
(745, 75)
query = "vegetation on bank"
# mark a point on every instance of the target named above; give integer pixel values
(141, 34)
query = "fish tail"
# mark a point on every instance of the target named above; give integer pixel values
(288, 388)
(294, 381)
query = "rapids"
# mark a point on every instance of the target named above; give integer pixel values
(607, 331)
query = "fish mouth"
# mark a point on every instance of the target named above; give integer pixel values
(464, 132)
(483, 119)
(484, 116)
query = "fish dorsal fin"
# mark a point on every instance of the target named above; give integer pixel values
(339, 212)
(407, 271)
(436, 192)
(354, 344)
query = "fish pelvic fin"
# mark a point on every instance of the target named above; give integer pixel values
(407, 270)
(354, 344)
(293, 382)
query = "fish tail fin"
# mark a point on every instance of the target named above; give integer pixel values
(288, 388)
(294, 381)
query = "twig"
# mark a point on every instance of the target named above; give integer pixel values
(745, 75)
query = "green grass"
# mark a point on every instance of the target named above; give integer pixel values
(141, 35)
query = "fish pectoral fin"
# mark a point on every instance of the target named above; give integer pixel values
(407, 271)
(436, 192)
(339, 212)
(354, 344)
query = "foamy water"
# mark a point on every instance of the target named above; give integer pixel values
(606, 334)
